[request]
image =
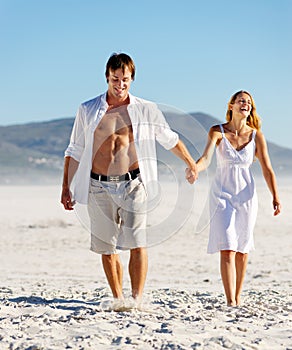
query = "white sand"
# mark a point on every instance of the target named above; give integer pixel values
(53, 289)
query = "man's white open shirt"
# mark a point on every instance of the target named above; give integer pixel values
(149, 125)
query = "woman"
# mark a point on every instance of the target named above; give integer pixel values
(233, 199)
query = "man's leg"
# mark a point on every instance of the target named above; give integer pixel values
(114, 273)
(138, 266)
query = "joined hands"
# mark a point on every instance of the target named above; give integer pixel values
(191, 174)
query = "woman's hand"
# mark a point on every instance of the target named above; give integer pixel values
(277, 207)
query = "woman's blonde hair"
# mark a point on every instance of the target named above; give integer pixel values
(253, 120)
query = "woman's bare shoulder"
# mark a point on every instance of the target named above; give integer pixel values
(260, 136)
(215, 128)
(215, 133)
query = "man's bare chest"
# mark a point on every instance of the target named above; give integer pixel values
(115, 122)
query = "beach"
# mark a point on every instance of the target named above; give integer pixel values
(54, 295)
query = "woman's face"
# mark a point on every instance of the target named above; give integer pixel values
(242, 105)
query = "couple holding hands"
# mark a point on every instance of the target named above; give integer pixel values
(110, 164)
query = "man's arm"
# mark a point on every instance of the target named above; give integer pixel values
(181, 151)
(70, 167)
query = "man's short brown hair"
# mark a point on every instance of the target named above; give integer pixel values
(120, 60)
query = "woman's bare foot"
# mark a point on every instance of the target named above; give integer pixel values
(231, 303)
(238, 301)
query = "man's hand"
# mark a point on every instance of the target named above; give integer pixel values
(181, 151)
(191, 174)
(66, 199)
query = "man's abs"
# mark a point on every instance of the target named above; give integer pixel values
(113, 149)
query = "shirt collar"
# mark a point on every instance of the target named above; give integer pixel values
(104, 104)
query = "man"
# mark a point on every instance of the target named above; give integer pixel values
(112, 158)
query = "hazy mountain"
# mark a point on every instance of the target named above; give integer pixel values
(33, 152)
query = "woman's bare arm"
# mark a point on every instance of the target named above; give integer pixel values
(267, 170)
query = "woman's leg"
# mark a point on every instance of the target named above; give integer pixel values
(240, 265)
(228, 275)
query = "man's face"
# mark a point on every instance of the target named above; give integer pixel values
(119, 83)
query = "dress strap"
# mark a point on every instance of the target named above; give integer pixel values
(254, 132)
(222, 130)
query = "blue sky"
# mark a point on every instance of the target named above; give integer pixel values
(189, 54)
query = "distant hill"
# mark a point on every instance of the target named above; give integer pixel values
(33, 152)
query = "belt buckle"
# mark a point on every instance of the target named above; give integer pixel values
(114, 178)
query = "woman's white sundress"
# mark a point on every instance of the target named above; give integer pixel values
(233, 199)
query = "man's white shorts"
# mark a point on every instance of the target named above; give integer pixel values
(117, 212)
